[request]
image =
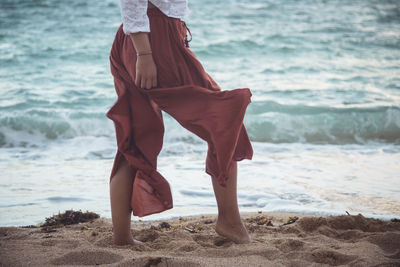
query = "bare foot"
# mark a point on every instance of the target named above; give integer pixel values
(236, 232)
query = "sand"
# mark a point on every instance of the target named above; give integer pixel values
(310, 240)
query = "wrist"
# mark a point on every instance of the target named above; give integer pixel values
(145, 58)
(143, 53)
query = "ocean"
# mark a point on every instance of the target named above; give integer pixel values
(324, 120)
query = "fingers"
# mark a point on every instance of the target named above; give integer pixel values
(149, 84)
(146, 73)
(154, 82)
(146, 83)
(138, 80)
(143, 83)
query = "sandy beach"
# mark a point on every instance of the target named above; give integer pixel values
(279, 239)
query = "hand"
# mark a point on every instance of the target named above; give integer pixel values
(146, 72)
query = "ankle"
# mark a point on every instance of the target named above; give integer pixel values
(231, 216)
(122, 239)
(229, 220)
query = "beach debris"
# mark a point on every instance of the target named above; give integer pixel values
(208, 221)
(259, 212)
(260, 220)
(165, 225)
(395, 220)
(190, 229)
(196, 228)
(69, 217)
(30, 226)
(353, 215)
(291, 219)
(48, 230)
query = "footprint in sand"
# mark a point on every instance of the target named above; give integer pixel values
(87, 257)
(268, 253)
(206, 241)
(350, 235)
(330, 257)
(187, 247)
(147, 235)
(287, 245)
(389, 242)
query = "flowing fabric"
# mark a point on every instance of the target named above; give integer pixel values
(187, 93)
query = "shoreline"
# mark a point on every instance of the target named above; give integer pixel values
(278, 239)
(383, 217)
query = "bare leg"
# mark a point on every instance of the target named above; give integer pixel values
(120, 195)
(229, 223)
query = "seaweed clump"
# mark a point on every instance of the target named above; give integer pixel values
(260, 220)
(69, 217)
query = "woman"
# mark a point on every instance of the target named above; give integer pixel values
(154, 70)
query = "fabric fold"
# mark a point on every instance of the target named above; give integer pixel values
(214, 116)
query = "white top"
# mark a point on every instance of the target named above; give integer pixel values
(134, 13)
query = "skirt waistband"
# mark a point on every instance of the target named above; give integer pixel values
(155, 11)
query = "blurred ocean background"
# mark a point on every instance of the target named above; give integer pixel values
(324, 119)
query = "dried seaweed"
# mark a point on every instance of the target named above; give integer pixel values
(260, 220)
(70, 217)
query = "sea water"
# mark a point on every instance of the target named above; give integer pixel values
(324, 120)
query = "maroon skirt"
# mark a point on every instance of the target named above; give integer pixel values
(187, 93)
